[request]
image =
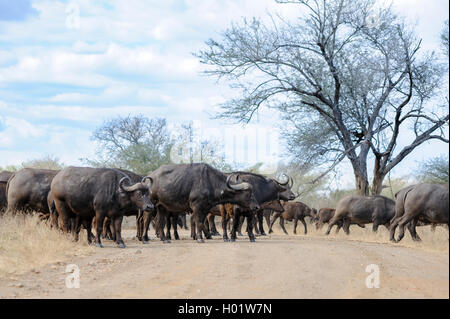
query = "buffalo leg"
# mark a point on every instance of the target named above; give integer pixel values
(241, 222)
(77, 228)
(175, 226)
(295, 225)
(207, 227)
(412, 230)
(393, 227)
(267, 218)
(375, 225)
(212, 225)
(87, 224)
(275, 216)
(346, 225)
(339, 226)
(250, 217)
(193, 231)
(108, 229)
(183, 219)
(255, 225)
(304, 225)
(199, 216)
(401, 226)
(169, 225)
(236, 218)
(282, 225)
(161, 221)
(117, 222)
(332, 222)
(99, 218)
(260, 218)
(139, 225)
(64, 215)
(146, 219)
(225, 220)
(53, 215)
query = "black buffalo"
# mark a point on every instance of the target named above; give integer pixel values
(143, 218)
(28, 189)
(196, 187)
(356, 209)
(84, 193)
(266, 190)
(421, 203)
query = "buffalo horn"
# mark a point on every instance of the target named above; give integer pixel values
(130, 188)
(237, 186)
(287, 181)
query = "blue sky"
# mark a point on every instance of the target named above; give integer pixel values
(66, 66)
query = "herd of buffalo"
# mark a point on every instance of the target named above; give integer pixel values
(76, 197)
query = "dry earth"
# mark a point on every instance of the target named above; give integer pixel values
(276, 266)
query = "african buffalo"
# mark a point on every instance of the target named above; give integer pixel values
(266, 190)
(324, 216)
(196, 187)
(292, 211)
(426, 203)
(355, 209)
(28, 189)
(84, 192)
(4, 177)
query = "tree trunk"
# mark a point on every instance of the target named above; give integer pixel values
(378, 176)
(377, 184)
(362, 184)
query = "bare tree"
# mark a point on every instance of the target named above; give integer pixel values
(136, 143)
(191, 147)
(346, 75)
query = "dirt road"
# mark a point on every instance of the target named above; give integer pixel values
(276, 266)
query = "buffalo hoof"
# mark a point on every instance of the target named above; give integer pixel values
(252, 240)
(146, 242)
(226, 240)
(166, 241)
(201, 241)
(240, 234)
(98, 245)
(233, 240)
(263, 234)
(121, 245)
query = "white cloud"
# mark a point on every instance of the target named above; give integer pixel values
(133, 58)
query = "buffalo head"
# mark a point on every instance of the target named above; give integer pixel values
(284, 189)
(137, 194)
(240, 193)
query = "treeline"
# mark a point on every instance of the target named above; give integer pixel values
(141, 144)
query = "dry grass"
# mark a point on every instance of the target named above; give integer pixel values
(432, 241)
(27, 243)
